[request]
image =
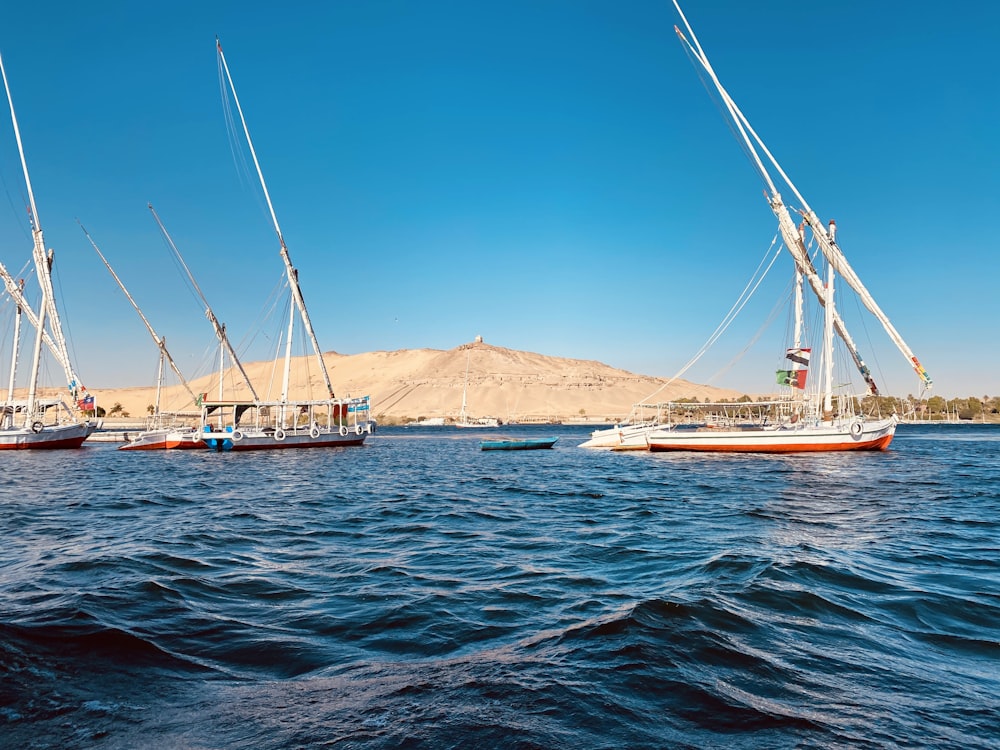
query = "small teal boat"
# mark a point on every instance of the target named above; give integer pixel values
(522, 444)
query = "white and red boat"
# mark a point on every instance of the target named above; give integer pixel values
(34, 420)
(827, 418)
(801, 435)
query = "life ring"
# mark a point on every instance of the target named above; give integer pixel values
(314, 432)
(279, 434)
(37, 427)
(343, 430)
(856, 428)
(358, 429)
(237, 435)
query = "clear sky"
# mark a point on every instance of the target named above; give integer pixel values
(549, 174)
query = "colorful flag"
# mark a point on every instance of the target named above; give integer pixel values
(86, 403)
(799, 356)
(794, 378)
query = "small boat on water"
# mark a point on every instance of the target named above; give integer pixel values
(517, 444)
(165, 430)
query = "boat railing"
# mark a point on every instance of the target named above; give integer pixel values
(290, 416)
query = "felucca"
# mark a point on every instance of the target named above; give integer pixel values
(166, 430)
(803, 421)
(242, 425)
(35, 422)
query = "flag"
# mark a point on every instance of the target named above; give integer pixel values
(794, 378)
(86, 403)
(799, 356)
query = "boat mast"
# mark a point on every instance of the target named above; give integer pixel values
(36, 359)
(828, 346)
(826, 241)
(798, 395)
(160, 342)
(220, 330)
(43, 265)
(293, 276)
(286, 375)
(13, 362)
(793, 238)
(159, 387)
(465, 388)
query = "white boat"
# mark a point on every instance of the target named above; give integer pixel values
(629, 435)
(464, 420)
(800, 422)
(241, 425)
(37, 422)
(429, 422)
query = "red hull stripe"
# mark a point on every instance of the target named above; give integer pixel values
(74, 442)
(871, 445)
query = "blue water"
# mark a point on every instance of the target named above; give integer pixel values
(420, 593)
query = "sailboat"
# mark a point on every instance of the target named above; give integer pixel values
(796, 424)
(464, 420)
(35, 422)
(164, 431)
(240, 425)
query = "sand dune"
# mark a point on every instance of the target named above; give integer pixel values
(421, 383)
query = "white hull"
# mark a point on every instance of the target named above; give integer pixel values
(626, 437)
(47, 437)
(484, 422)
(164, 439)
(786, 438)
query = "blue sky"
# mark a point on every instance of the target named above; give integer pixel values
(551, 175)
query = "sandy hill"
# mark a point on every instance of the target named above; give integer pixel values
(421, 383)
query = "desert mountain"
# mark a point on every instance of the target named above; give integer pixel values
(423, 383)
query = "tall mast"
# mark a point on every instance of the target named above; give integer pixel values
(13, 356)
(220, 330)
(293, 277)
(465, 388)
(826, 241)
(828, 346)
(43, 265)
(793, 239)
(158, 340)
(287, 372)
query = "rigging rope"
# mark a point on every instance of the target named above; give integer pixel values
(730, 316)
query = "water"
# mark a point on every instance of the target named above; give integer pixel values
(420, 593)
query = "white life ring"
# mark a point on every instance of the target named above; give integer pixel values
(358, 429)
(237, 435)
(37, 427)
(856, 428)
(343, 430)
(279, 434)
(314, 432)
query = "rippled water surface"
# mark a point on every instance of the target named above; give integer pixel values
(420, 593)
